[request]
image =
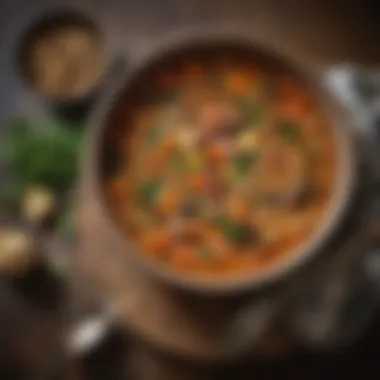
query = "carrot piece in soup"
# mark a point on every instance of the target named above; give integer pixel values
(168, 201)
(239, 84)
(169, 146)
(218, 246)
(160, 157)
(184, 257)
(301, 104)
(295, 101)
(238, 210)
(157, 241)
(198, 227)
(198, 181)
(216, 153)
(156, 163)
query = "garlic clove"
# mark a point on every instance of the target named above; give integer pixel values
(248, 140)
(38, 204)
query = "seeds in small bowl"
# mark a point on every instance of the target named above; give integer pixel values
(63, 57)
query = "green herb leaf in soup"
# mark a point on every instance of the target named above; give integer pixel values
(243, 162)
(179, 162)
(189, 162)
(289, 132)
(235, 233)
(149, 193)
(253, 113)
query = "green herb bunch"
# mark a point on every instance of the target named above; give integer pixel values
(45, 155)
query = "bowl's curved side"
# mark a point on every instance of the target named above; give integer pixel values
(345, 181)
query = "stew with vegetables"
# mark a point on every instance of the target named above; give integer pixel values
(228, 166)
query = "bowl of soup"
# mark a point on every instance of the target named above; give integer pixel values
(221, 165)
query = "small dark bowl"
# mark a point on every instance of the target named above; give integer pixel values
(71, 108)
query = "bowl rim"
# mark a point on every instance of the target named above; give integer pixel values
(301, 255)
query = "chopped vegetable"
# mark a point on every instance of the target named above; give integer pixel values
(248, 140)
(234, 232)
(214, 184)
(239, 83)
(243, 162)
(157, 241)
(149, 193)
(217, 152)
(217, 117)
(179, 161)
(156, 162)
(232, 176)
(238, 210)
(253, 113)
(194, 161)
(198, 182)
(168, 200)
(38, 204)
(289, 132)
(169, 146)
(218, 245)
(187, 138)
(184, 257)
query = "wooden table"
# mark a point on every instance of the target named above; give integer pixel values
(320, 33)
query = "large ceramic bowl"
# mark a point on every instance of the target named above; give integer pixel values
(102, 155)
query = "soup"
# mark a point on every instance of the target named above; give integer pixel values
(226, 168)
